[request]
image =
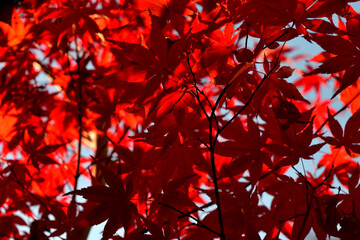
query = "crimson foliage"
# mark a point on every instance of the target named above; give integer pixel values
(181, 116)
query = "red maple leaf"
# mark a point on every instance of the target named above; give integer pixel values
(350, 137)
(112, 204)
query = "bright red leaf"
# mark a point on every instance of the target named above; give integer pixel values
(183, 119)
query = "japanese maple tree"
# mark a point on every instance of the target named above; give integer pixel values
(179, 119)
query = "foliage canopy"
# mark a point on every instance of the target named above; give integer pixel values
(184, 117)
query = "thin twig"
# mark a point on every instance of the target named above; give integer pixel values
(216, 187)
(273, 41)
(198, 221)
(209, 204)
(341, 109)
(28, 191)
(78, 98)
(197, 90)
(79, 105)
(211, 147)
(255, 91)
(206, 145)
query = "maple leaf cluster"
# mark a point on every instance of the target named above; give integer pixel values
(187, 119)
